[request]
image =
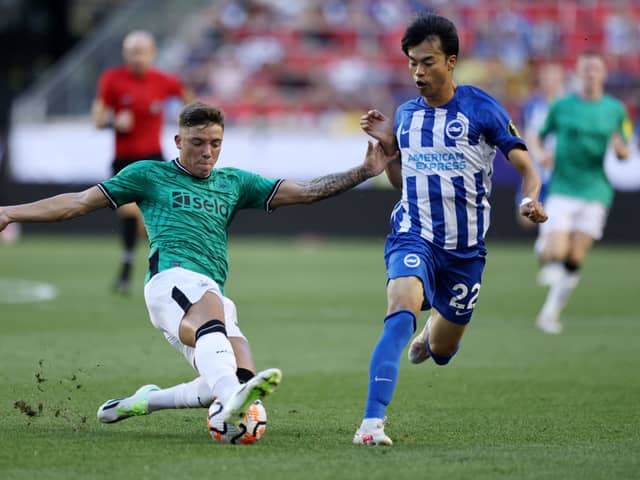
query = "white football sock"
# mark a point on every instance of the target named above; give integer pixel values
(216, 362)
(560, 291)
(550, 273)
(193, 394)
(369, 424)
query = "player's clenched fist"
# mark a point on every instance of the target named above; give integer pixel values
(534, 211)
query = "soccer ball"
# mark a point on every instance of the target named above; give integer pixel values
(249, 431)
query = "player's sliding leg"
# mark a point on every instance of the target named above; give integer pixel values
(193, 394)
(244, 389)
(192, 313)
(202, 328)
(263, 384)
(118, 409)
(150, 398)
(215, 359)
(197, 394)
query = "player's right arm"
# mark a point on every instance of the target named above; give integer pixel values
(54, 209)
(378, 126)
(102, 110)
(103, 117)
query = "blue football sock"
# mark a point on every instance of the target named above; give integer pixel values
(385, 361)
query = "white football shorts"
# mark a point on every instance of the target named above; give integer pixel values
(569, 214)
(170, 291)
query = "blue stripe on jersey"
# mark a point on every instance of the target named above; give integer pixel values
(452, 114)
(395, 214)
(473, 135)
(405, 127)
(481, 193)
(427, 128)
(461, 211)
(437, 210)
(414, 212)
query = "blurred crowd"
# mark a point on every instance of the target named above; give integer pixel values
(313, 60)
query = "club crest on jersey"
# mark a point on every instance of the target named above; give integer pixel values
(513, 131)
(411, 260)
(455, 129)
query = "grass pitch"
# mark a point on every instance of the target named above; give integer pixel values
(514, 403)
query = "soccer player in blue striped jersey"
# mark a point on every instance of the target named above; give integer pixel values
(435, 253)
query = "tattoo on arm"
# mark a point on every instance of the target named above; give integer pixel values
(333, 184)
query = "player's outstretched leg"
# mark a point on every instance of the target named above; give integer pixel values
(371, 432)
(418, 351)
(263, 384)
(118, 409)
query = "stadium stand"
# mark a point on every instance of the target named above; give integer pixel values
(288, 61)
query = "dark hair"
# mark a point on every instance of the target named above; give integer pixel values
(199, 113)
(429, 25)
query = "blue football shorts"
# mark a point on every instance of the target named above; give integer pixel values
(451, 282)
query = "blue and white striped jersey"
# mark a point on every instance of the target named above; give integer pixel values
(447, 162)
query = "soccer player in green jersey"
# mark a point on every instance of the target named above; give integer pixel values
(579, 194)
(187, 205)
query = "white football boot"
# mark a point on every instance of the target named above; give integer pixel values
(417, 352)
(118, 409)
(371, 432)
(549, 322)
(263, 384)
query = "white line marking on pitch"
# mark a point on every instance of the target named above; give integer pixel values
(15, 290)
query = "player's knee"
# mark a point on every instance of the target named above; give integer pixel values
(572, 265)
(212, 326)
(440, 353)
(401, 322)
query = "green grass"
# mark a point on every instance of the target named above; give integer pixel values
(514, 404)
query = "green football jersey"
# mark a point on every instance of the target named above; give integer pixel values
(187, 217)
(583, 130)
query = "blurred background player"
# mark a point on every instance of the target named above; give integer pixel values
(579, 193)
(131, 99)
(550, 84)
(435, 253)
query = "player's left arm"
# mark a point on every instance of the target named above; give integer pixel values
(530, 207)
(294, 192)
